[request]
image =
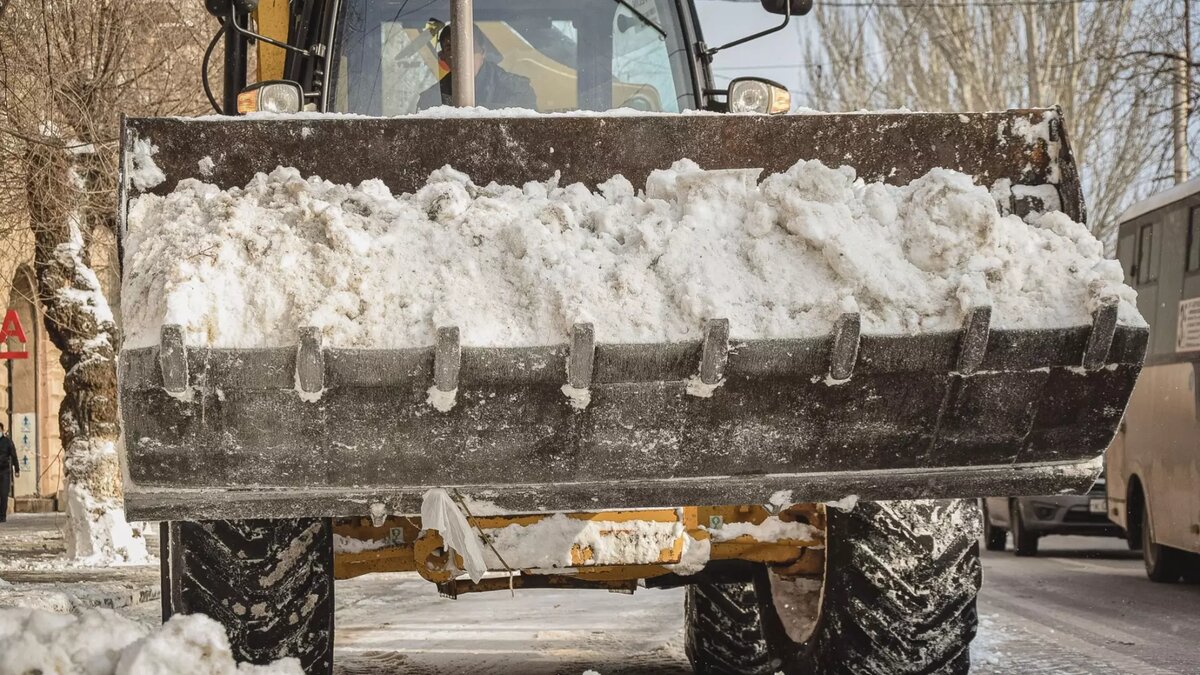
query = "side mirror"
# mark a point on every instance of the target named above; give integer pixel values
(788, 8)
(280, 96)
(780, 6)
(757, 95)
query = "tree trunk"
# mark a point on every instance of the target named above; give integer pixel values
(80, 323)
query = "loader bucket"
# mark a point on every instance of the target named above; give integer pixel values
(225, 433)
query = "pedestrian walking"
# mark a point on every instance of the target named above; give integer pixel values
(8, 466)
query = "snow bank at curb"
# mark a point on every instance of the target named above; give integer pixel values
(512, 266)
(102, 642)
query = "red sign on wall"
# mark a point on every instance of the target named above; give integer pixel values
(11, 328)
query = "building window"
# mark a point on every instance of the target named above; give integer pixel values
(1193, 249)
(1146, 270)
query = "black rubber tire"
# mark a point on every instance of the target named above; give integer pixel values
(994, 538)
(725, 632)
(1190, 571)
(268, 582)
(1025, 543)
(1164, 565)
(899, 598)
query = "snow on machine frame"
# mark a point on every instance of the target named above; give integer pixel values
(260, 459)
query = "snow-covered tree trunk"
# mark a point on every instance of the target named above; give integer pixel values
(80, 323)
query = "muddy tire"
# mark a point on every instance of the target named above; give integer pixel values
(269, 582)
(899, 597)
(725, 630)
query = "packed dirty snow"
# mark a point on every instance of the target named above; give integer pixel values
(780, 257)
(548, 543)
(101, 642)
(771, 529)
(343, 544)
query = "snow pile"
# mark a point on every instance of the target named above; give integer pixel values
(97, 532)
(343, 544)
(548, 543)
(100, 642)
(141, 171)
(784, 257)
(696, 554)
(770, 529)
(846, 503)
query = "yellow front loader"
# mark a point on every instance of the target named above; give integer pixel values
(268, 494)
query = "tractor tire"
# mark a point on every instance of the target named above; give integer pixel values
(898, 598)
(268, 582)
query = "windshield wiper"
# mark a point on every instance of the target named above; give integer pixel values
(644, 19)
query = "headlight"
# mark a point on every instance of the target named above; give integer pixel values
(279, 96)
(754, 95)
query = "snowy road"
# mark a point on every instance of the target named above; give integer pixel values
(397, 622)
(1082, 606)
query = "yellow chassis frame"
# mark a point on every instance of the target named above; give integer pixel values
(406, 548)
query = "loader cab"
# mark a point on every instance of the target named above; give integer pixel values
(594, 55)
(376, 57)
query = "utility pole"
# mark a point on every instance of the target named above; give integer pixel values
(462, 40)
(1035, 92)
(1182, 99)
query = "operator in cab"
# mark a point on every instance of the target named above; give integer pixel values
(494, 87)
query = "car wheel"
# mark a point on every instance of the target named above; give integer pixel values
(994, 538)
(1025, 543)
(1163, 564)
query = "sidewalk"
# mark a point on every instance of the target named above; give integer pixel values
(34, 573)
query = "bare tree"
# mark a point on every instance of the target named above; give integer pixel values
(68, 68)
(1090, 58)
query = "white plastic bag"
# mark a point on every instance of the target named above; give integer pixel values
(439, 512)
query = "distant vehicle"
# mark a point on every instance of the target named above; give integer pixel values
(1154, 461)
(1031, 518)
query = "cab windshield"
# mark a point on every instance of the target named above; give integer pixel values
(550, 55)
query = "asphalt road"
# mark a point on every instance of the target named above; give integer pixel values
(1083, 606)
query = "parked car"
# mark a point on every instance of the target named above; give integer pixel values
(1031, 518)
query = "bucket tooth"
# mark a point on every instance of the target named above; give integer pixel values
(715, 355)
(972, 343)
(843, 352)
(310, 361)
(447, 359)
(1104, 327)
(582, 356)
(172, 358)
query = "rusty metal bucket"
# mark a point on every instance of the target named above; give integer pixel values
(972, 412)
